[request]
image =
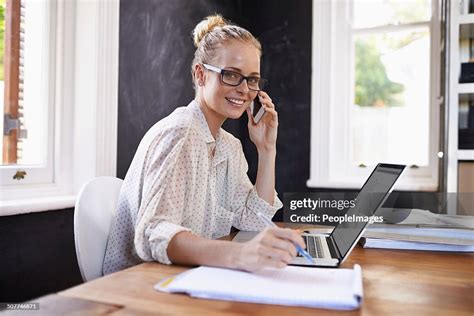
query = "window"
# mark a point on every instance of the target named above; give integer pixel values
(66, 99)
(27, 143)
(374, 95)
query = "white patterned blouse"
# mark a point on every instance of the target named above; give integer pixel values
(175, 184)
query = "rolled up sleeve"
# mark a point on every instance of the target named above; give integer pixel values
(159, 236)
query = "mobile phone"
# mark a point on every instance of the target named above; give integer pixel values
(257, 110)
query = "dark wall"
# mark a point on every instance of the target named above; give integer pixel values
(156, 51)
(284, 29)
(37, 255)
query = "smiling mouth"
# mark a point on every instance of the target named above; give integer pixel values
(236, 101)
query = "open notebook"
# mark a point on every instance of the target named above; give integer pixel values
(292, 286)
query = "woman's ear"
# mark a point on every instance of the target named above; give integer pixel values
(199, 74)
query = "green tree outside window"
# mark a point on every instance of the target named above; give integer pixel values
(373, 88)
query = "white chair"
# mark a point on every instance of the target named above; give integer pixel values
(94, 210)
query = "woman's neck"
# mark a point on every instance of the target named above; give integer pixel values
(214, 120)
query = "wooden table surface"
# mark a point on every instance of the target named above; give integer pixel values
(395, 283)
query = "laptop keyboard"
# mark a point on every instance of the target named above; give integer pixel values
(314, 246)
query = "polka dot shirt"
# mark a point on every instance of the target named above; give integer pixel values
(176, 184)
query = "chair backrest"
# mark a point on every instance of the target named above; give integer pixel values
(93, 214)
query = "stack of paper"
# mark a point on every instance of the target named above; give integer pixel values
(293, 286)
(418, 238)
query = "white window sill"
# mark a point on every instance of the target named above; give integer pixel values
(23, 206)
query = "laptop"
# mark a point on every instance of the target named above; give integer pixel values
(332, 250)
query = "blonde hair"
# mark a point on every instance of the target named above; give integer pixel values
(211, 33)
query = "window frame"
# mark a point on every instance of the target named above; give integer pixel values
(330, 118)
(36, 174)
(84, 91)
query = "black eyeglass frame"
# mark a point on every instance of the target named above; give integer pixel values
(261, 81)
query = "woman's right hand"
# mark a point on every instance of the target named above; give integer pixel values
(273, 247)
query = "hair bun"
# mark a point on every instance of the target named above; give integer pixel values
(206, 26)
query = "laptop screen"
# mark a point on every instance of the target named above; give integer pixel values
(370, 197)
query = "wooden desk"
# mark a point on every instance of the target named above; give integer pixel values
(395, 283)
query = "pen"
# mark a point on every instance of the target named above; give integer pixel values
(298, 247)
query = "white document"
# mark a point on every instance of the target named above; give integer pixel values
(292, 286)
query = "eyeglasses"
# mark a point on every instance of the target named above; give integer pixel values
(234, 79)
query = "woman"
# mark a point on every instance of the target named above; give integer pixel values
(188, 184)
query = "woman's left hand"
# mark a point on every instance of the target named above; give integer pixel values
(264, 133)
